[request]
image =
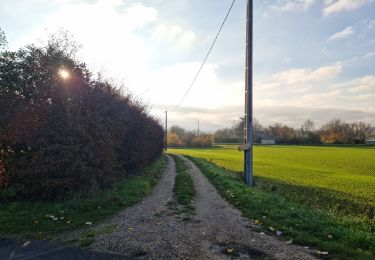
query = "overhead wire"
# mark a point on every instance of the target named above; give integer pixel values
(206, 57)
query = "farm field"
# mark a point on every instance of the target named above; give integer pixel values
(338, 178)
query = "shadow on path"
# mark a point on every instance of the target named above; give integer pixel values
(11, 249)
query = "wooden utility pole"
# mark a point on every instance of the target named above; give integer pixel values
(248, 147)
(166, 131)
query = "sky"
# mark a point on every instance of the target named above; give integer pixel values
(313, 59)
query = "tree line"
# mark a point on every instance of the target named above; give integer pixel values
(61, 135)
(336, 131)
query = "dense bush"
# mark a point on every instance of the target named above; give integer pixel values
(61, 136)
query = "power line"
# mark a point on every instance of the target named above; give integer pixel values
(208, 54)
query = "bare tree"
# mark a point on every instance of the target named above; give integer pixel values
(308, 126)
(360, 131)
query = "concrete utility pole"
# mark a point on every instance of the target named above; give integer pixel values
(198, 127)
(248, 148)
(166, 131)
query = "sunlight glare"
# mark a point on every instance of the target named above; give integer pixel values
(64, 74)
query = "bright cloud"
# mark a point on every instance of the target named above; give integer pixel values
(335, 6)
(292, 5)
(290, 86)
(300, 76)
(342, 34)
(360, 85)
(174, 34)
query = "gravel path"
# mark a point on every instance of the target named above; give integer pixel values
(152, 229)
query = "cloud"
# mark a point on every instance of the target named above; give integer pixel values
(174, 34)
(210, 119)
(294, 95)
(336, 6)
(294, 77)
(295, 115)
(342, 34)
(292, 5)
(365, 85)
(369, 55)
(209, 91)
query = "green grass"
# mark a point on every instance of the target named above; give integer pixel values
(342, 237)
(340, 179)
(184, 189)
(42, 219)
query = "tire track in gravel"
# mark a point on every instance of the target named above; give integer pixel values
(151, 229)
(225, 229)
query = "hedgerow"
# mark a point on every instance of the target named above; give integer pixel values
(62, 136)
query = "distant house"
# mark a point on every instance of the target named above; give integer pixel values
(264, 138)
(268, 141)
(370, 141)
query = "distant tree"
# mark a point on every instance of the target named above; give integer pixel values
(3, 40)
(308, 135)
(336, 131)
(282, 133)
(179, 131)
(226, 135)
(360, 131)
(202, 140)
(308, 126)
(178, 136)
(239, 129)
(174, 140)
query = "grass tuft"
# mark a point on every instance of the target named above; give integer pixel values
(184, 188)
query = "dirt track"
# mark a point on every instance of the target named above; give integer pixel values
(152, 229)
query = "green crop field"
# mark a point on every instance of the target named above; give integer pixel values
(338, 178)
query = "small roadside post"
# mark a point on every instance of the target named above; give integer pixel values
(166, 131)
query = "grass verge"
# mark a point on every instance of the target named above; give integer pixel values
(41, 220)
(342, 237)
(184, 188)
